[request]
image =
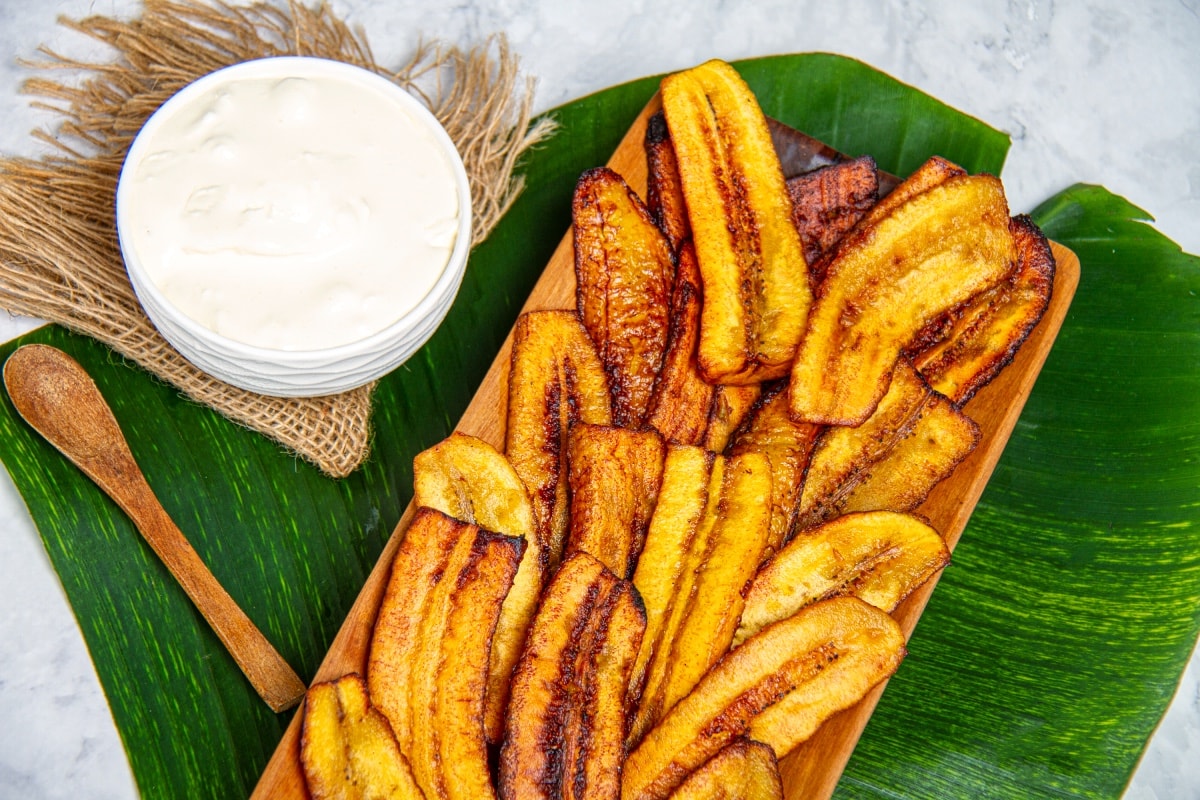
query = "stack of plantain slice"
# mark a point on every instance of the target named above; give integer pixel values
(686, 555)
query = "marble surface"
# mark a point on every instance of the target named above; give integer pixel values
(1098, 92)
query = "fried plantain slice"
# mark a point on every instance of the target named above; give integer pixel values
(446, 694)
(682, 399)
(664, 191)
(914, 439)
(787, 446)
(730, 407)
(531, 757)
(417, 569)
(827, 203)
(681, 502)
(707, 600)
(755, 279)
(624, 271)
(742, 770)
(888, 279)
(347, 750)
(468, 479)
(815, 663)
(674, 602)
(555, 380)
(614, 475)
(595, 732)
(933, 172)
(877, 556)
(962, 352)
(558, 740)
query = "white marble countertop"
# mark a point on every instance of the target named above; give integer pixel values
(1093, 91)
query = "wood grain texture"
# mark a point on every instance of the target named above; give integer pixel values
(812, 770)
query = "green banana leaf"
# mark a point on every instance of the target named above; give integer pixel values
(1051, 646)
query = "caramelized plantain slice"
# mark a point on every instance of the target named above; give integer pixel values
(417, 569)
(934, 172)
(555, 380)
(466, 478)
(755, 279)
(969, 347)
(614, 476)
(730, 407)
(681, 503)
(877, 556)
(464, 673)
(813, 664)
(787, 446)
(347, 750)
(682, 399)
(707, 601)
(664, 191)
(531, 757)
(559, 740)
(446, 693)
(942, 437)
(624, 271)
(735, 543)
(914, 439)
(472, 481)
(674, 602)
(596, 730)
(742, 770)
(889, 278)
(827, 203)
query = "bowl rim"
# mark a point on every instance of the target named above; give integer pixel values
(448, 281)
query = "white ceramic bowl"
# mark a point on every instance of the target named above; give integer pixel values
(293, 372)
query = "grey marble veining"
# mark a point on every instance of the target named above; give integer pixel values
(1096, 92)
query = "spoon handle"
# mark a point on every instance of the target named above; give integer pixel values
(53, 393)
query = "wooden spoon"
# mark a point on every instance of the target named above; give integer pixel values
(60, 401)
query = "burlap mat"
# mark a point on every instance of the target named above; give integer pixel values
(59, 256)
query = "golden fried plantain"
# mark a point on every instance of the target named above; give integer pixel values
(614, 476)
(914, 439)
(889, 278)
(664, 192)
(787, 445)
(828, 202)
(565, 728)
(962, 352)
(876, 556)
(446, 692)
(347, 750)
(555, 379)
(815, 663)
(707, 600)
(681, 502)
(756, 289)
(933, 172)
(730, 407)
(681, 400)
(594, 749)
(416, 570)
(470, 480)
(741, 770)
(464, 673)
(624, 271)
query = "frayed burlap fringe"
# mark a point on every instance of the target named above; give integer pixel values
(59, 257)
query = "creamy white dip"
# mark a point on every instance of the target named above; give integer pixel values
(292, 213)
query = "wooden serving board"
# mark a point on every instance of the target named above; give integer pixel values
(812, 770)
